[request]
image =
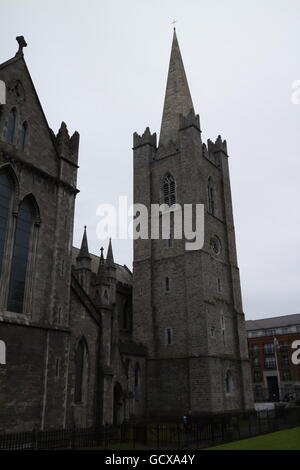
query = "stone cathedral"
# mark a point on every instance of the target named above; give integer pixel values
(83, 340)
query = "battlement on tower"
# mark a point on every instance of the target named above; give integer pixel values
(145, 139)
(212, 150)
(66, 146)
(218, 146)
(191, 120)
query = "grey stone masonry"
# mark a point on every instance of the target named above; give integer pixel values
(194, 329)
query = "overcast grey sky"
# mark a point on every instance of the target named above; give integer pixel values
(101, 66)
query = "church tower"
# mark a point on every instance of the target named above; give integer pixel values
(187, 306)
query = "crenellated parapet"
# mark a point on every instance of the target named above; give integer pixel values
(214, 150)
(218, 146)
(191, 120)
(145, 139)
(67, 147)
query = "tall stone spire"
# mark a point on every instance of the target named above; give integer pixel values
(101, 266)
(178, 99)
(83, 264)
(84, 249)
(110, 256)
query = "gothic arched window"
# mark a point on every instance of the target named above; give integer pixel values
(5, 201)
(228, 381)
(23, 135)
(11, 126)
(21, 250)
(169, 190)
(211, 196)
(81, 372)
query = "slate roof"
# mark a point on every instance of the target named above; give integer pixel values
(273, 322)
(124, 275)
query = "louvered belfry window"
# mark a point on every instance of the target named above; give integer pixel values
(169, 190)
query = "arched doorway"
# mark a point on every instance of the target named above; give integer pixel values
(118, 404)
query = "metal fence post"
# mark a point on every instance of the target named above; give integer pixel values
(178, 436)
(73, 437)
(106, 436)
(134, 436)
(249, 423)
(268, 420)
(34, 439)
(238, 427)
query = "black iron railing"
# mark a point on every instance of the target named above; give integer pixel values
(200, 432)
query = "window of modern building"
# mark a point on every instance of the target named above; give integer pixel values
(269, 348)
(256, 362)
(270, 332)
(283, 347)
(270, 363)
(254, 349)
(285, 361)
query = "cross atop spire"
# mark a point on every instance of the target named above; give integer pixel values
(178, 99)
(22, 43)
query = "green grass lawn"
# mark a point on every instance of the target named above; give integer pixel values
(281, 440)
